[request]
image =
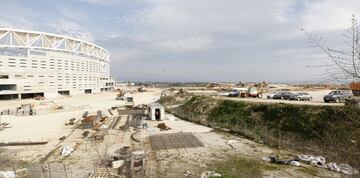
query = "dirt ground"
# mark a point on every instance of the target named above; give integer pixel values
(88, 154)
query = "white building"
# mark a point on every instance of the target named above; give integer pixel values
(156, 111)
(36, 63)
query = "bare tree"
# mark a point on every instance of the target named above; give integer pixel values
(343, 64)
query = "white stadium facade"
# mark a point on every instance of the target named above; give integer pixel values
(41, 64)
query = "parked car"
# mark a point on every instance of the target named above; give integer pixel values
(337, 96)
(271, 95)
(304, 96)
(234, 93)
(241, 92)
(224, 94)
(289, 96)
(278, 95)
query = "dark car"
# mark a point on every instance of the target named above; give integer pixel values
(289, 96)
(281, 95)
(337, 96)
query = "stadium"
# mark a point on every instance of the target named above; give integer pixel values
(36, 64)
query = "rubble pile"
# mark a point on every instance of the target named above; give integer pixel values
(67, 150)
(209, 174)
(317, 161)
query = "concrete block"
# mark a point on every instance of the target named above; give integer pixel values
(117, 164)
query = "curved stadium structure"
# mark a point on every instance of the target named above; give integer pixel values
(36, 63)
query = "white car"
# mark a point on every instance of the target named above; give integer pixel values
(224, 94)
(304, 96)
(271, 95)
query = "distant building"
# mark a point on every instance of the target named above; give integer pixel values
(42, 64)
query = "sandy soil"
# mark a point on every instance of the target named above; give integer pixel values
(197, 160)
(161, 163)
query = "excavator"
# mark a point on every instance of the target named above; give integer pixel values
(120, 95)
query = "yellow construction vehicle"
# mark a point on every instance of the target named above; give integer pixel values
(120, 95)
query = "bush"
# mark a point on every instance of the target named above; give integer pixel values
(325, 130)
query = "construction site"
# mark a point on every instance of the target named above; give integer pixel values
(179, 89)
(128, 133)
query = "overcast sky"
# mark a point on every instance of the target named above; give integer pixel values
(195, 40)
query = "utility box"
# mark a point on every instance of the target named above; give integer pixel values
(156, 111)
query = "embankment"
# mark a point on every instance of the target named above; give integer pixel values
(333, 132)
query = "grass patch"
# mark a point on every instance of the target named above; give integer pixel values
(237, 167)
(310, 170)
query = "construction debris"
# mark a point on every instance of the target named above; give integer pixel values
(8, 174)
(174, 141)
(343, 168)
(275, 159)
(25, 110)
(71, 121)
(85, 114)
(8, 112)
(317, 161)
(231, 143)
(109, 110)
(187, 173)
(134, 121)
(133, 138)
(25, 143)
(209, 174)
(67, 150)
(141, 89)
(122, 153)
(117, 164)
(163, 126)
(137, 160)
(93, 121)
(321, 162)
(5, 125)
(85, 133)
(99, 136)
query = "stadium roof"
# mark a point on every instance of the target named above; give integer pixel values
(41, 40)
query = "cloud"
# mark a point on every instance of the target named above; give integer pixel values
(194, 40)
(18, 17)
(325, 15)
(99, 2)
(72, 29)
(124, 54)
(189, 44)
